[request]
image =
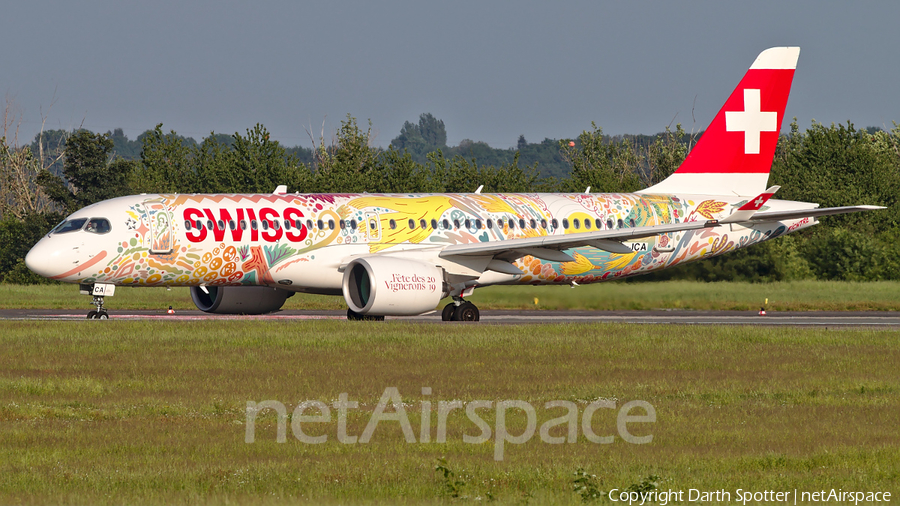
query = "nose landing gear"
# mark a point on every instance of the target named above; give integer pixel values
(99, 291)
(100, 313)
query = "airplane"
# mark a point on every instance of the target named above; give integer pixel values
(400, 254)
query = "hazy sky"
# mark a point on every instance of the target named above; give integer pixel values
(491, 70)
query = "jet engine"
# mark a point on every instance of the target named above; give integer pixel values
(383, 285)
(239, 299)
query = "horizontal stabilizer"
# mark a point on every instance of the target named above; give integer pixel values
(809, 213)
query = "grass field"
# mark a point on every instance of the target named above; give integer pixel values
(154, 412)
(782, 296)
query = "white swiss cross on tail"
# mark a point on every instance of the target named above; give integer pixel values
(752, 120)
(734, 155)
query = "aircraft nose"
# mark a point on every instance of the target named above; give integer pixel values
(43, 259)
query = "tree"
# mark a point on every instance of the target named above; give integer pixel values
(422, 138)
(89, 175)
(350, 164)
(604, 166)
(20, 166)
(840, 166)
(166, 164)
(17, 236)
(259, 164)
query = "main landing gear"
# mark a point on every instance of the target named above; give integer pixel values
(460, 311)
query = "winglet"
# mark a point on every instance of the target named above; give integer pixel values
(280, 190)
(746, 211)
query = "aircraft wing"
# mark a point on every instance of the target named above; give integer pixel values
(549, 247)
(808, 213)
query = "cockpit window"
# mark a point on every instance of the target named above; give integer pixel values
(98, 226)
(69, 226)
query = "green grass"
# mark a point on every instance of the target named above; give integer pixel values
(782, 296)
(154, 412)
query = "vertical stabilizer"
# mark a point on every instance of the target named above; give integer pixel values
(734, 155)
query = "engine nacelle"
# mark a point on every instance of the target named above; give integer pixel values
(383, 285)
(239, 299)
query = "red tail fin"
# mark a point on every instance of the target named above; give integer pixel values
(735, 153)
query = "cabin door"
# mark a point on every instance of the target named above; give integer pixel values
(162, 236)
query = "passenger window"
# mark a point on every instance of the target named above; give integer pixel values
(620, 223)
(221, 225)
(342, 224)
(490, 223)
(298, 224)
(631, 223)
(576, 223)
(393, 224)
(522, 223)
(275, 224)
(478, 224)
(533, 223)
(512, 224)
(566, 223)
(198, 224)
(353, 224)
(554, 223)
(609, 223)
(455, 224)
(309, 224)
(231, 224)
(445, 223)
(265, 224)
(209, 224)
(433, 224)
(543, 223)
(243, 224)
(412, 224)
(598, 223)
(320, 224)
(187, 224)
(330, 224)
(587, 224)
(423, 224)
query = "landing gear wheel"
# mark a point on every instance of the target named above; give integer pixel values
(447, 313)
(466, 312)
(354, 316)
(99, 313)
